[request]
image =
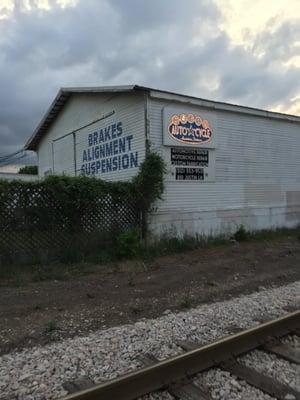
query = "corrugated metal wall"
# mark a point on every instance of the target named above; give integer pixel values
(57, 152)
(8, 176)
(257, 177)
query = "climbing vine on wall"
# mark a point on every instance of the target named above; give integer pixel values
(59, 210)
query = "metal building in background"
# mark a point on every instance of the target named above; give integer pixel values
(227, 164)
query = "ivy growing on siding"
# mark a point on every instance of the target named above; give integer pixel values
(68, 206)
(149, 183)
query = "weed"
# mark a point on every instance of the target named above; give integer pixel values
(102, 256)
(271, 234)
(186, 302)
(10, 275)
(136, 309)
(6, 272)
(241, 235)
(51, 327)
(115, 267)
(131, 280)
(221, 240)
(212, 283)
(128, 244)
(56, 273)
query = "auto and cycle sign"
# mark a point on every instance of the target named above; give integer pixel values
(188, 128)
(189, 140)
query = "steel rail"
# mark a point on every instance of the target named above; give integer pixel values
(164, 373)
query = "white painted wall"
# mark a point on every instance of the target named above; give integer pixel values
(257, 176)
(10, 176)
(58, 154)
(254, 179)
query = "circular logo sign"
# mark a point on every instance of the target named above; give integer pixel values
(189, 128)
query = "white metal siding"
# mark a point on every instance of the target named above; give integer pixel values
(9, 176)
(257, 177)
(82, 109)
(63, 156)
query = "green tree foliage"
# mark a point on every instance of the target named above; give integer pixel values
(149, 183)
(29, 170)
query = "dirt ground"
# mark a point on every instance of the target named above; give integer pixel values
(40, 312)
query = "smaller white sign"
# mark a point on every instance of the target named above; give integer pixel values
(186, 164)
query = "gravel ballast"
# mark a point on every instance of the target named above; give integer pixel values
(224, 386)
(275, 367)
(40, 372)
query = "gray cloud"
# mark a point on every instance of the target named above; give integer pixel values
(167, 44)
(281, 43)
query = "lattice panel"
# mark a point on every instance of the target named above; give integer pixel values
(33, 222)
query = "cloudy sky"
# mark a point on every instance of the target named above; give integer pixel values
(240, 51)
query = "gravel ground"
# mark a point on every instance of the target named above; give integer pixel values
(292, 340)
(224, 386)
(39, 373)
(162, 395)
(283, 371)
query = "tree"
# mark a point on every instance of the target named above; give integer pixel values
(29, 170)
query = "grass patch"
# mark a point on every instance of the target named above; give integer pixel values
(186, 302)
(131, 281)
(11, 275)
(212, 283)
(38, 307)
(22, 275)
(133, 260)
(136, 309)
(268, 234)
(51, 327)
(241, 235)
(45, 274)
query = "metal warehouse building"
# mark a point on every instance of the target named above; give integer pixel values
(227, 164)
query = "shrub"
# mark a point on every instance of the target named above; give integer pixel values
(128, 243)
(241, 234)
(51, 327)
(72, 219)
(186, 302)
(29, 170)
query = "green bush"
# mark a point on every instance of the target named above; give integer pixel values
(148, 185)
(29, 170)
(128, 244)
(72, 219)
(241, 235)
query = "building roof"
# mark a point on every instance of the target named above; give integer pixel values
(65, 93)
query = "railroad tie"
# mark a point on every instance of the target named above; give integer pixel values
(175, 374)
(285, 351)
(184, 390)
(188, 391)
(188, 346)
(254, 378)
(78, 384)
(260, 381)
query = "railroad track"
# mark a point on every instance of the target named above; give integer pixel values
(176, 374)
